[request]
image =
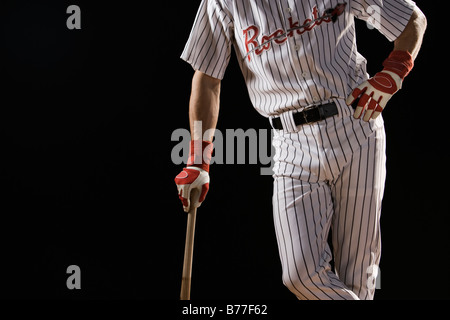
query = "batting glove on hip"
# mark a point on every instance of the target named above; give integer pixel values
(195, 176)
(372, 95)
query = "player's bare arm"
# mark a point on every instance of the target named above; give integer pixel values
(411, 38)
(204, 105)
(203, 115)
(370, 98)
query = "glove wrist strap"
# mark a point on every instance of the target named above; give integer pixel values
(400, 62)
(200, 154)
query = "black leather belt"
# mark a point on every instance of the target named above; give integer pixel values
(309, 115)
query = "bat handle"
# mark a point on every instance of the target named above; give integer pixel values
(188, 254)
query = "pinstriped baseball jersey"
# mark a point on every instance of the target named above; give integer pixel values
(286, 67)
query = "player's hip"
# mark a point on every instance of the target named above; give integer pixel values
(305, 151)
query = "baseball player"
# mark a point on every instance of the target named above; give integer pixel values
(303, 72)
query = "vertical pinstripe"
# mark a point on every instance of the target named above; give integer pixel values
(327, 175)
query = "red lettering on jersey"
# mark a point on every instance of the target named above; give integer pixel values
(265, 40)
(280, 36)
(280, 40)
(251, 41)
(265, 44)
(316, 14)
(291, 26)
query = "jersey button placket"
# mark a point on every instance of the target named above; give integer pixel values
(294, 50)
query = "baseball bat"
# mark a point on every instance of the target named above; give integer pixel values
(188, 253)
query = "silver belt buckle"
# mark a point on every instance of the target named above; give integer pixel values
(304, 113)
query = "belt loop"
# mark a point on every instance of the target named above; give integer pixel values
(321, 114)
(288, 121)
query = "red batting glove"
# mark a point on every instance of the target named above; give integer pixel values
(195, 176)
(374, 93)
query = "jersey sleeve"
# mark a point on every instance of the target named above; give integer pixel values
(390, 17)
(209, 45)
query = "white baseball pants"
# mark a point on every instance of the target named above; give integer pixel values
(329, 174)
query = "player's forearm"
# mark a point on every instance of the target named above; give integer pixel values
(411, 38)
(204, 105)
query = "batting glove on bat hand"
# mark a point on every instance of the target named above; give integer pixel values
(372, 95)
(195, 175)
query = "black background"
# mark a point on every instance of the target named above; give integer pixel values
(86, 175)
